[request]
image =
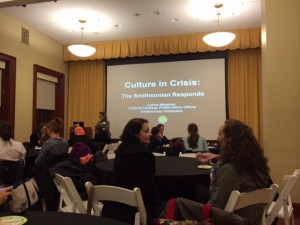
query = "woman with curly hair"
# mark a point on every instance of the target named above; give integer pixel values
(193, 141)
(243, 167)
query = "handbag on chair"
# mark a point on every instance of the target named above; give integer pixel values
(26, 190)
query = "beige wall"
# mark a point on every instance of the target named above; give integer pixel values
(281, 87)
(42, 50)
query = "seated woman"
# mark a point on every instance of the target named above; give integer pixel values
(193, 141)
(155, 144)
(134, 166)
(9, 149)
(55, 146)
(39, 136)
(163, 139)
(242, 167)
(53, 151)
(80, 137)
(11, 169)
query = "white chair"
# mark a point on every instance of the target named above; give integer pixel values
(116, 194)
(113, 147)
(111, 156)
(69, 200)
(159, 154)
(283, 206)
(106, 148)
(239, 200)
(189, 155)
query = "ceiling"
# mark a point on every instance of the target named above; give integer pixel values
(125, 19)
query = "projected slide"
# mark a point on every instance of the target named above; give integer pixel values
(172, 93)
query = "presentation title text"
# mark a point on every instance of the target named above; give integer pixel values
(171, 83)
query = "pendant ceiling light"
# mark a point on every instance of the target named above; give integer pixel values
(219, 39)
(82, 50)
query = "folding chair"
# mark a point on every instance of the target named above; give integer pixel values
(283, 206)
(239, 200)
(116, 194)
(11, 172)
(159, 154)
(69, 200)
(111, 156)
(106, 148)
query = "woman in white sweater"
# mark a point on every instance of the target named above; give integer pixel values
(9, 149)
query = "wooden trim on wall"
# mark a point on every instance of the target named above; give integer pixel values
(8, 95)
(296, 210)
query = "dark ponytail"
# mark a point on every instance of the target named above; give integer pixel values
(5, 131)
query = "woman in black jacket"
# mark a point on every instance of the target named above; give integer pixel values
(134, 166)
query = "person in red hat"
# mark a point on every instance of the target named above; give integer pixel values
(80, 137)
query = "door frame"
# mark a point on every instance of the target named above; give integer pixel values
(8, 95)
(59, 92)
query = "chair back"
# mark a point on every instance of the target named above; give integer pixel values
(159, 154)
(189, 155)
(283, 205)
(111, 156)
(11, 172)
(113, 147)
(106, 148)
(116, 194)
(239, 200)
(70, 200)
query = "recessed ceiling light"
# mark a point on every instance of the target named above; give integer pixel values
(157, 12)
(94, 21)
(118, 25)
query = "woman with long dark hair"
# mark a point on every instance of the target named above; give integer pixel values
(193, 141)
(10, 149)
(38, 136)
(134, 166)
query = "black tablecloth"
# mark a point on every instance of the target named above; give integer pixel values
(60, 218)
(175, 176)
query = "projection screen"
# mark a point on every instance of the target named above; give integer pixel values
(174, 93)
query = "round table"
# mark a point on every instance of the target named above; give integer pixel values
(63, 218)
(175, 176)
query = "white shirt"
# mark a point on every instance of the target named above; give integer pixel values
(11, 150)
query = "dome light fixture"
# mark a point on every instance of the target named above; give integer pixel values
(219, 39)
(82, 50)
